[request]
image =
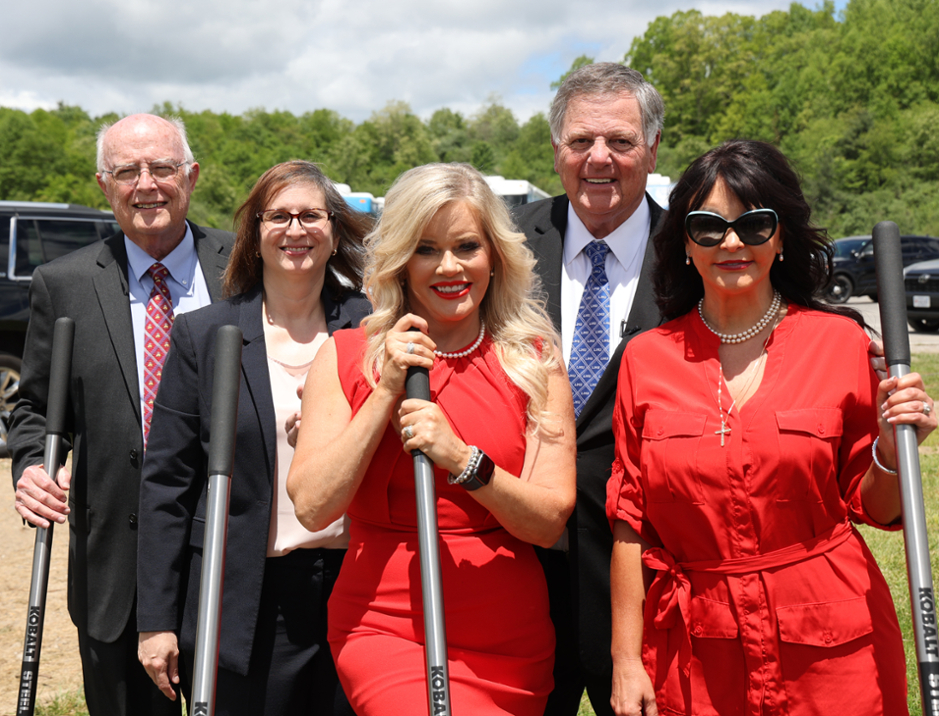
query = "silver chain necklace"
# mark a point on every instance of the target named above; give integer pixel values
(725, 429)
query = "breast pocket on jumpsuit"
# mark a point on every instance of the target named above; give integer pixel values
(670, 442)
(809, 440)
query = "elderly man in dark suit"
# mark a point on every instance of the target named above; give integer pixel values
(122, 294)
(595, 260)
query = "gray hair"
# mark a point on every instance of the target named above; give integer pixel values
(175, 121)
(605, 79)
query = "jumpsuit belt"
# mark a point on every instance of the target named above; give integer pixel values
(669, 597)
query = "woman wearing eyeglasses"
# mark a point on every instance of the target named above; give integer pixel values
(294, 277)
(750, 434)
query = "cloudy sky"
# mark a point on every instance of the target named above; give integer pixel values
(352, 56)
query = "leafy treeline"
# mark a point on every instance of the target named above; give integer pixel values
(853, 102)
(50, 155)
(852, 98)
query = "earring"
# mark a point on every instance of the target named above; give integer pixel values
(781, 259)
(258, 254)
(687, 260)
(335, 251)
(492, 273)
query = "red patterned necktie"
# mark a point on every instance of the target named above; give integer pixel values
(156, 340)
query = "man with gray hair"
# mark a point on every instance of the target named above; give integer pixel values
(122, 293)
(595, 261)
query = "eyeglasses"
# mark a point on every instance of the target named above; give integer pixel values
(130, 173)
(308, 218)
(752, 228)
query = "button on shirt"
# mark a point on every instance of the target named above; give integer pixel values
(623, 264)
(186, 283)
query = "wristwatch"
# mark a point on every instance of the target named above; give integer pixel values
(478, 471)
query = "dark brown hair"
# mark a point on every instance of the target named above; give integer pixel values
(343, 271)
(760, 176)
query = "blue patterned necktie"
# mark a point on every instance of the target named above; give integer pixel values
(590, 351)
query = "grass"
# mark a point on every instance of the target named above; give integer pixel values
(69, 703)
(886, 546)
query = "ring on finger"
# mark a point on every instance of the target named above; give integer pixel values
(410, 348)
(927, 408)
(408, 432)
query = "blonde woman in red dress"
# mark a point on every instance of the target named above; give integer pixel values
(453, 290)
(751, 434)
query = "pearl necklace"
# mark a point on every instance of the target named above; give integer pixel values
(750, 332)
(464, 353)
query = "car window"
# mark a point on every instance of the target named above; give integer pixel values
(39, 241)
(4, 244)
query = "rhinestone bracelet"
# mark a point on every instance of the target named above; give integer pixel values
(471, 467)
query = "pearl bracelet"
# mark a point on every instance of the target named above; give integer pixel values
(471, 467)
(877, 462)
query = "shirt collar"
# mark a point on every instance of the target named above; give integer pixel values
(624, 240)
(179, 262)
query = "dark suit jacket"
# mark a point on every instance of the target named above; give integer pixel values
(591, 541)
(103, 416)
(173, 491)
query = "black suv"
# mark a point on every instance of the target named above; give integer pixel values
(854, 274)
(922, 296)
(32, 233)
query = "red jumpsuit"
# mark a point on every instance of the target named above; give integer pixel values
(766, 599)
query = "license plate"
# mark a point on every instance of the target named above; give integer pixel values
(920, 301)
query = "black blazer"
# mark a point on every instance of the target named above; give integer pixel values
(103, 416)
(591, 541)
(173, 490)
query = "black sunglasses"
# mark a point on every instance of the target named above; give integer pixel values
(752, 227)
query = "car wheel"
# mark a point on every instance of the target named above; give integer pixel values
(924, 325)
(10, 367)
(840, 289)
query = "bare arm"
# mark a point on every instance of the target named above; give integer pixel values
(900, 401)
(534, 508)
(633, 694)
(334, 448)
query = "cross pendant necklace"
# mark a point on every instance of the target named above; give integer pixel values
(725, 428)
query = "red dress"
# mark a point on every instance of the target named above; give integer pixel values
(766, 600)
(499, 633)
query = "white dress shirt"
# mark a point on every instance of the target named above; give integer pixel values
(186, 283)
(623, 264)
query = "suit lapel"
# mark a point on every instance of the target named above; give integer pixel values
(212, 260)
(547, 243)
(254, 370)
(111, 288)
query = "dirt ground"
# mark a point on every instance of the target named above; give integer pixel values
(59, 665)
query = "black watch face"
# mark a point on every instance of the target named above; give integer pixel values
(485, 469)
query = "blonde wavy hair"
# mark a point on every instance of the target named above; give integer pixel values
(523, 335)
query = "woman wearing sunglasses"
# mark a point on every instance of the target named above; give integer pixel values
(750, 434)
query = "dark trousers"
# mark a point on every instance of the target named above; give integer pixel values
(570, 679)
(291, 670)
(115, 682)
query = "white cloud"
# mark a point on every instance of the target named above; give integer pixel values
(302, 55)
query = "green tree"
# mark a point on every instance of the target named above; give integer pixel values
(579, 62)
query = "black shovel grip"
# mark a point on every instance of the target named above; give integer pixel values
(226, 384)
(891, 295)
